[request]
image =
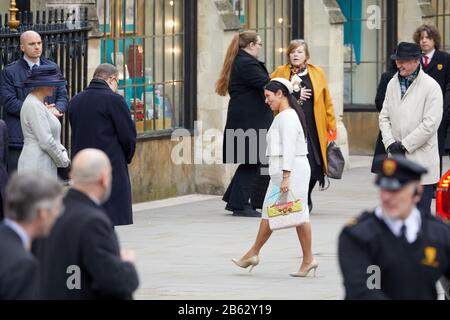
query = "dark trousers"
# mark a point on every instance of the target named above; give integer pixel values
(312, 184)
(13, 159)
(238, 193)
(425, 202)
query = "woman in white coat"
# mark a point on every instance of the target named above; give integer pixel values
(289, 170)
(42, 150)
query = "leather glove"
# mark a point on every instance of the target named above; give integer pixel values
(397, 148)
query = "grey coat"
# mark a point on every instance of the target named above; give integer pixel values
(42, 150)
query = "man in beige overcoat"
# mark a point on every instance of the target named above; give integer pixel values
(411, 115)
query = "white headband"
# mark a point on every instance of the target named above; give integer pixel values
(286, 83)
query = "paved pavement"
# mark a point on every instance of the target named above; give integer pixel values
(184, 246)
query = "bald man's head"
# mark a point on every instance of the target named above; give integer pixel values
(88, 166)
(91, 174)
(31, 45)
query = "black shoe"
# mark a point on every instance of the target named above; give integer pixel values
(246, 206)
(249, 213)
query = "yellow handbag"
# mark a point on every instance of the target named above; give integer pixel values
(284, 209)
(286, 215)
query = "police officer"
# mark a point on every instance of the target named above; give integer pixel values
(395, 252)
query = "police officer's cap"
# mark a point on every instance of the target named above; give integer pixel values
(396, 172)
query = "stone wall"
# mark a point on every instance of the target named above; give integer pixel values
(4, 8)
(363, 129)
(155, 176)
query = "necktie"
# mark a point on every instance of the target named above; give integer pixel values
(403, 234)
(426, 62)
(34, 66)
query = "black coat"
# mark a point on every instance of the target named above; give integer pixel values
(19, 276)
(83, 236)
(247, 110)
(100, 119)
(439, 70)
(408, 271)
(3, 163)
(13, 94)
(379, 100)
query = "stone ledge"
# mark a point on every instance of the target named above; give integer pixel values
(335, 15)
(225, 10)
(426, 8)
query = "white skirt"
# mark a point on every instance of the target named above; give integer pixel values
(298, 185)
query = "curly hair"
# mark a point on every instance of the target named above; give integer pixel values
(432, 32)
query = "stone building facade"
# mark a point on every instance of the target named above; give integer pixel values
(177, 49)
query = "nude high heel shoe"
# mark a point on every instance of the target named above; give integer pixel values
(303, 274)
(245, 263)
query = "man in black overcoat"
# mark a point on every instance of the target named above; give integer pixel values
(81, 259)
(100, 119)
(33, 204)
(436, 64)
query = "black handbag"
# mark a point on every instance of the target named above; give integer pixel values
(336, 162)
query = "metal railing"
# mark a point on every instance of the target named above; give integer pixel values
(64, 41)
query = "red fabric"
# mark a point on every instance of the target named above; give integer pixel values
(426, 62)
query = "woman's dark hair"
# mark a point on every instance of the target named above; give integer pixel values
(431, 31)
(274, 86)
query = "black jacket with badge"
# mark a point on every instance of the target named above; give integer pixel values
(439, 70)
(247, 109)
(407, 271)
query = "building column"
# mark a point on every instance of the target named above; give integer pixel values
(217, 24)
(324, 33)
(412, 14)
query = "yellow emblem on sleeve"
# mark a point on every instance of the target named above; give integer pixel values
(430, 257)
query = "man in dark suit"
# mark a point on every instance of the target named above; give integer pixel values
(436, 64)
(32, 205)
(3, 164)
(13, 93)
(81, 259)
(100, 119)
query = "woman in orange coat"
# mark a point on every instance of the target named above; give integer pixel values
(311, 90)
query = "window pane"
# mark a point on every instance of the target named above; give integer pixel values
(148, 51)
(364, 55)
(271, 19)
(442, 21)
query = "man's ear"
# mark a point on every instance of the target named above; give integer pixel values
(104, 179)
